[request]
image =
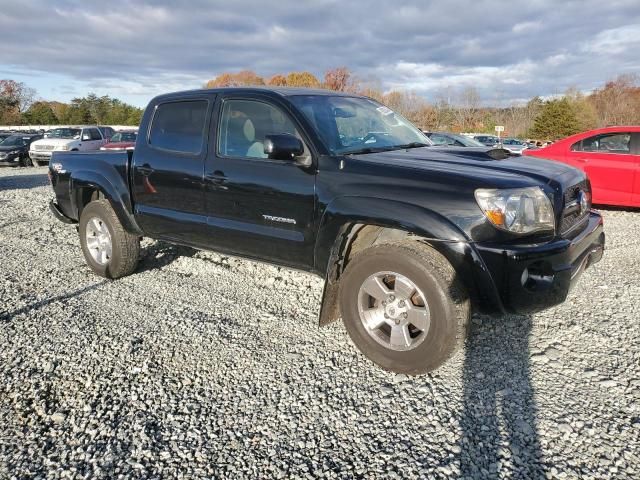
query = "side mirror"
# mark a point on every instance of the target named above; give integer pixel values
(283, 146)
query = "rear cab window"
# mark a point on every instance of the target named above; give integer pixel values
(178, 126)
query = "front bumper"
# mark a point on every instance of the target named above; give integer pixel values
(530, 278)
(12, 160)
(40, 155)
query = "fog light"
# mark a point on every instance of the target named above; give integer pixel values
(537, 276)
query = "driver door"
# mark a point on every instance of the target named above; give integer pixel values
(256, 206)
(90, 139)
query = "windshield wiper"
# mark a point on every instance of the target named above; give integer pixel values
(386, 148)
(369, 150)
(412, 145)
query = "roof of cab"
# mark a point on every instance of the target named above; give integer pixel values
(282, 91)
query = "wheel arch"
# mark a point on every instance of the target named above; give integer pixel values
(87, 186)
(346, 231)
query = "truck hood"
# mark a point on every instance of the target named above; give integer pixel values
(475, 162)
(53, 141)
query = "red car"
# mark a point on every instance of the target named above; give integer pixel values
(125, 140)
(611, 158)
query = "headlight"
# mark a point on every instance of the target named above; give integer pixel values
(517, 210)
(63, 147)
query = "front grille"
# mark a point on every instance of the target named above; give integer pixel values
(572, 214)
(44, 147)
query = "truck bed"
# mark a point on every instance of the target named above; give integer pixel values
(89, 169)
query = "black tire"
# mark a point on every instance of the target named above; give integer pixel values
(447, 300)
(25, 161)
(124, 245)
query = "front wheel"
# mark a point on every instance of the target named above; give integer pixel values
(109, 250)
(25, 161)
(404, 307)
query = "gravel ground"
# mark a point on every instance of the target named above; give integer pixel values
(202, 365)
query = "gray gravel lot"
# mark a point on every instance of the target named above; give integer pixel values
(202, 365)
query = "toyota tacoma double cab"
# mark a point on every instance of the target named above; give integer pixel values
(409, 238)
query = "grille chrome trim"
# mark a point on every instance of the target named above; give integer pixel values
(572, 216)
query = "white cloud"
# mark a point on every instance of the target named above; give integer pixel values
(524, 27)
(615, 41)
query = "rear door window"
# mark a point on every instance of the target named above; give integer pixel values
(179, 126)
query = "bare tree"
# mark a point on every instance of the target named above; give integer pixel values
(618, 102)
(467, 111)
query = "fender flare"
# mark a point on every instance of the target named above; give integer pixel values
(114, 189)
(336, 233)
(393, 214)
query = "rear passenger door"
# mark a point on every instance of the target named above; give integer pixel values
(168, 169)
(256, 206)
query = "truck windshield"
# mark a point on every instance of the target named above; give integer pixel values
(358, 125)
(468, 142)
(63, 133)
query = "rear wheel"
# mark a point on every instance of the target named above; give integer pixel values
(109, 250)
(403, 307)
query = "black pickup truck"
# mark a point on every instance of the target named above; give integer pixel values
(409, 238)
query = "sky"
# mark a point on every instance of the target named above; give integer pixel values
(509, 51)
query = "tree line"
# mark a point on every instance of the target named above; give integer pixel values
(19, 106)
(617, 102)
(462, 110)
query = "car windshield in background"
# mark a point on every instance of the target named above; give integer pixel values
(358, 125)
(124, 137)
(13, 141)
(467, 142)
(64, 133)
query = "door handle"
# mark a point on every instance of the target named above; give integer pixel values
(583, 160)
(145, 170)
(216, 177)
(217, 180)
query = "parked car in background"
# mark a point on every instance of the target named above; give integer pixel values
(72, 139)
(124, 140)
(488, 140)
(14, 150)
(611, 158)
(452, 139)
(514, 145)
